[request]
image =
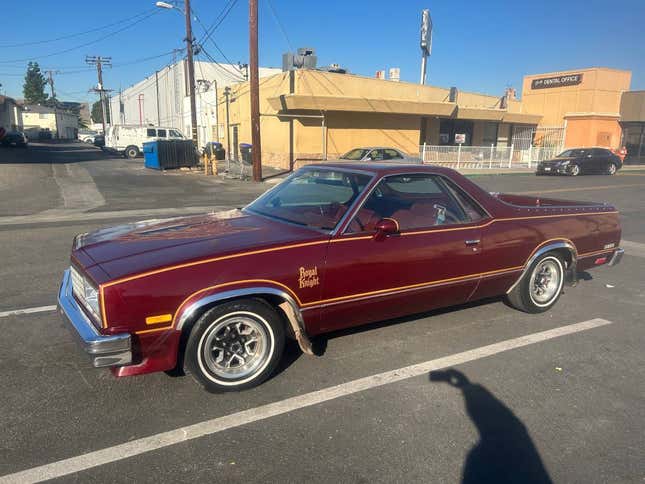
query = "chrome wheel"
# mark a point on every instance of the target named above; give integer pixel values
(236, 346)
(611, 169)
(546, 281)
(575, 170)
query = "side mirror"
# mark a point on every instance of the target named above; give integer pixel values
(385, 227)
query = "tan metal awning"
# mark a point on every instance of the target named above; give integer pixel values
(521, 118)
(485, 114)
(360, 104)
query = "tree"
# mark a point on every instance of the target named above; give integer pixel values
(34, 87)
(97, 113)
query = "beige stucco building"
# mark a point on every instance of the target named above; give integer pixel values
(37, 119)
(584, 102)
(309, 114)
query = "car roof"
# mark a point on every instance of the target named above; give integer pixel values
(375, 148)
(382, 168)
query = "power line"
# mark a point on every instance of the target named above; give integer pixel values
(78, 34)
(219, 19)
(111, 34)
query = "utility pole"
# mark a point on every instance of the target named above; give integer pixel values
(50, 80)
(99, 61)
(191, 71)
(254, 86)
(50, 75)
(227, 93)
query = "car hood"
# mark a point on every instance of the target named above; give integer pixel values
(150, 244)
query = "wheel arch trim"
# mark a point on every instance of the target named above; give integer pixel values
(548, 247)
(289, 306)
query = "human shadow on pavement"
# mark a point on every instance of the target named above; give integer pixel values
(505, 452)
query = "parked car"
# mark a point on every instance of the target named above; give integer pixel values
(128, 140)
(579, 161)
(14, 138)
(333, 246)
(87, 136)
(99, 141)
(376, 153)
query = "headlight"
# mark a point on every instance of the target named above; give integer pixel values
(86, 293)
(92, 298)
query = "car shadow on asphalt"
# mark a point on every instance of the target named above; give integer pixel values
(505, 452)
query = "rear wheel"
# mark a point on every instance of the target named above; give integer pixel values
(575, 170)
(131, 152)
(540, 287)
(611, 169)
(235, 346)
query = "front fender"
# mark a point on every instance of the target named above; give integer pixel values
(193, 305)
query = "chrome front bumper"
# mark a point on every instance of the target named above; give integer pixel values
(618, 255)
(113, 350)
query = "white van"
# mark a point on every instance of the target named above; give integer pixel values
(128, 139)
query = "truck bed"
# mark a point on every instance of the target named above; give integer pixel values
(531, 201)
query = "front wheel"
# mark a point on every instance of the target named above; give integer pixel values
(611, 169)
(131, 152)
(235, 346)
(575, 170)
(540, 287)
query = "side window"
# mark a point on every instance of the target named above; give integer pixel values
(161, 133)
(375, 155)
(175, 134)
(415, 201)
(150, 133)
(392, 155)
(600, 153)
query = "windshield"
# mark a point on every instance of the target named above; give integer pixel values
(316, 198)
(573, 153)
(355, 154)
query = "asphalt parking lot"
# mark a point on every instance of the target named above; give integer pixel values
(480, 393)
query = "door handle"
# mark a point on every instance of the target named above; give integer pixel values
(471, 242)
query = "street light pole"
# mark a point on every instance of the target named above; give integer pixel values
(254, 86)
(191, 72)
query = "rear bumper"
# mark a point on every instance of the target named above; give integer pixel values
(617, 257)
(113, 350)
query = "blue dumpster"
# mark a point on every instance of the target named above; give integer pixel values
(151, 155)
(166, 154)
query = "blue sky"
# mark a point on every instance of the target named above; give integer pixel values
(480, 46)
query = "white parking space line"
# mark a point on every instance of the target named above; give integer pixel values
(633, 248)
(220, 424)
(16, 312)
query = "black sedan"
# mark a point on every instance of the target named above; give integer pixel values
(578, 161)
(14, 138)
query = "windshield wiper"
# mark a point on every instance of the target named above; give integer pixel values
(281, 218)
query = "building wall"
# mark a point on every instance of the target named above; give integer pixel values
(299, 136)
(62, 125)
(138, 103)
(598, 93)
(592, 131)
(10, 114)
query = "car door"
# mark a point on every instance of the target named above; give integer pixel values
(432, 261)
(600, 159)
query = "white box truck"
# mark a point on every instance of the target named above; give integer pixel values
(128, 139)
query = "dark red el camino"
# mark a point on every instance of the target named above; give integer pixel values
(333, 246)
